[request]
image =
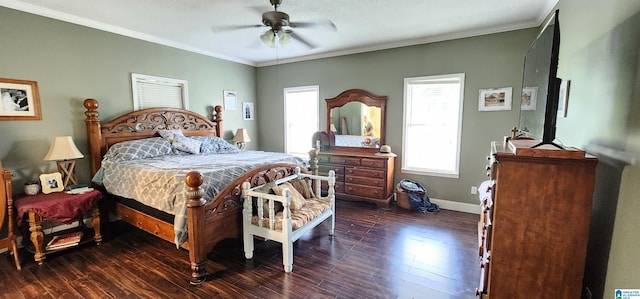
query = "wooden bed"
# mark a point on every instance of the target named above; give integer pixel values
(208, 223)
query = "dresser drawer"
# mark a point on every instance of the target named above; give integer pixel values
(481, 237)
(337, 188)
(488, 228)
(324, 169)
(375, 182)
(339, 170)
(370, 173)
(373, 163)
(323, 159)
(344, 160)
(482, 289)
(368, 191)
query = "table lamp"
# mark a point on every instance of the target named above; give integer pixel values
(64, 152)
(241, 138)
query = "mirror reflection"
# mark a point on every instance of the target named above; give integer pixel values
(355, 119)
(355, 124)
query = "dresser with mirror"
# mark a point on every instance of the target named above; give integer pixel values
(356, 131)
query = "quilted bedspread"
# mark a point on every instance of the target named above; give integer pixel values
(159, 181)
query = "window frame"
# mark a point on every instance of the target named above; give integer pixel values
(460, 77)
(285, 90)
(162, 81)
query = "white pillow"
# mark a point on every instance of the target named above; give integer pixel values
(170, 135)
(187, 145)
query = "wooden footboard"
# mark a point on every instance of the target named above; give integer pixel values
(208, 222)
(223, 215)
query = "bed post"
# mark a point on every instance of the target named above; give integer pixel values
(313, 159)
(196, 227)
(94, 135)
(218, 120)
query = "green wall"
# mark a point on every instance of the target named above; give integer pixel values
(600, 54)
(488, 61)
(71, 63)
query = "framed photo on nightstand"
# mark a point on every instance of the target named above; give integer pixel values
(51, 182)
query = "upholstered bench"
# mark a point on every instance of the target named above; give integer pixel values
(284, 216)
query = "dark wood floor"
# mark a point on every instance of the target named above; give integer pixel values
(375, 253)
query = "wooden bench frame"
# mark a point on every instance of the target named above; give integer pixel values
(287, 235)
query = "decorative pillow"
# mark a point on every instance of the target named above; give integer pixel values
(138, 149)
(187, 145)
(302, 186)
(215, 145)
(170, 135)
(297, 200)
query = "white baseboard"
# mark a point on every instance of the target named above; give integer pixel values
(456, 206)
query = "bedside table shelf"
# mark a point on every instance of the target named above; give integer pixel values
(88, 235)
(57, 207)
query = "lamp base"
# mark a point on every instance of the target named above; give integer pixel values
(66, 168)
(241, 145)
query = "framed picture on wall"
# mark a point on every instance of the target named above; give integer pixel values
(495, 99)
(563, 101)
(529, 98)
(247, 111)
(230, 98)
(20, 100)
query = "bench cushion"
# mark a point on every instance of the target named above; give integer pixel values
(312, 208)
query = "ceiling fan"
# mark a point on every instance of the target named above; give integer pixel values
(280, 27)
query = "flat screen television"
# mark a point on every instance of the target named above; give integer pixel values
(540, 86)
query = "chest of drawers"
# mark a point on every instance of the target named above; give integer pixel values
(534, 222)
(360, 176)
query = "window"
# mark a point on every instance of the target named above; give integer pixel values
(151, 91)
(300, 118)
(432, 125)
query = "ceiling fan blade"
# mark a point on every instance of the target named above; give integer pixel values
(302, 40)
(259, 10)
(323, 23)
(217, 29)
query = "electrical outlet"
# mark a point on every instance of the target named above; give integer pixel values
(474, 190)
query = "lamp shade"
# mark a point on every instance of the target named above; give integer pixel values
(62, 148)
(241, 136)
(333, 128)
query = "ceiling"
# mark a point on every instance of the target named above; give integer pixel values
(204, 26)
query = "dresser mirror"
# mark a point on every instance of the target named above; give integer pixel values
(356, 119)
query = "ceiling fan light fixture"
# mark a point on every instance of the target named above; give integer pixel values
(284, 38)
(268, 38)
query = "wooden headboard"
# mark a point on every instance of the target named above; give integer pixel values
(141, 124)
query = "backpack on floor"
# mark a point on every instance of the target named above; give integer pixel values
(418, 199)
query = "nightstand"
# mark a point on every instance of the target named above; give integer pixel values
(58, 207)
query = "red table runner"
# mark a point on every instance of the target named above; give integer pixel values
(58, 206)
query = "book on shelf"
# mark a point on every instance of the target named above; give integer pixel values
(64, 241)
